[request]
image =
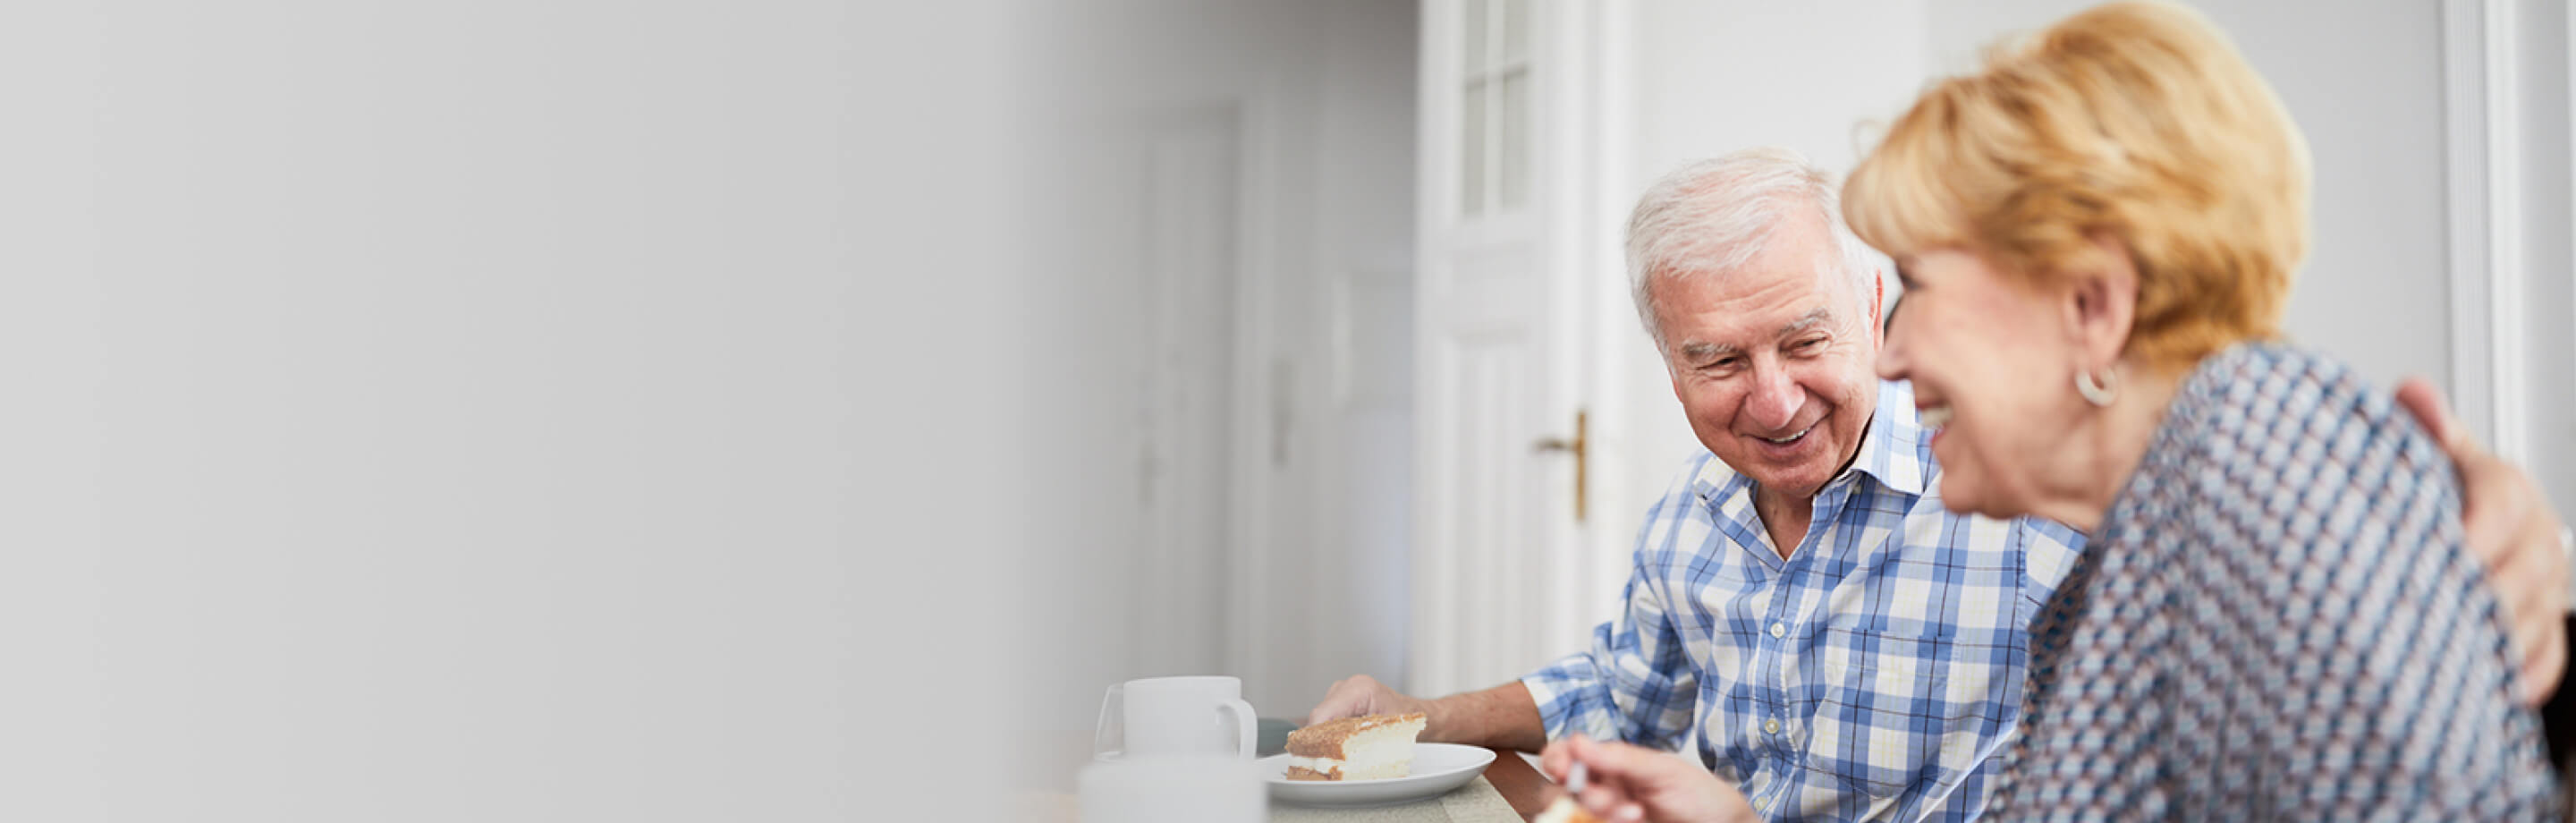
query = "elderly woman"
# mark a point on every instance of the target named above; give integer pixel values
(2275, 616)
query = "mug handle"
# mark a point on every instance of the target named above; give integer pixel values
(1110, 706)
(1243, 720)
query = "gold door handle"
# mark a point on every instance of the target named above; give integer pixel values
(1581, 446)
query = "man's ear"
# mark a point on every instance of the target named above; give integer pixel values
(2102, 301)
(1878, 306)
(1673, 372)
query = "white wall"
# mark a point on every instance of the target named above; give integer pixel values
(2549, 229)
(568, 410)
(1712, 78)
(1362, 391)
(2365, 82)
(493, 411)
(1325, 94)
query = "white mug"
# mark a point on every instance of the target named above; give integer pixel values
(1176, 716)
(1176, 789)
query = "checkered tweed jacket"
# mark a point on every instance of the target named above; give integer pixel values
(2276, 621)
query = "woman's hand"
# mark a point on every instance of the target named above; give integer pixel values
(2512, 529)
(1628, 783)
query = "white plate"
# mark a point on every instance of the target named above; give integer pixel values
(1437, 768)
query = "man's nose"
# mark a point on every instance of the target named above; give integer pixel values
(1775, 400)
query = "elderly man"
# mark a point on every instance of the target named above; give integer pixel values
(1839, 645)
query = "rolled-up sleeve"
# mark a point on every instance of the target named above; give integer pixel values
(1636, 683)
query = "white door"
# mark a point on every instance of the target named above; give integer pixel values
(1181, 621)
(1509, 300)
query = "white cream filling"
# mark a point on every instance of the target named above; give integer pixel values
(1378, 753)
(1320, 765)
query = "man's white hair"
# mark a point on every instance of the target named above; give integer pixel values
(1711, 217)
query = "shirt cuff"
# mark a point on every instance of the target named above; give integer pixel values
(1549, 694)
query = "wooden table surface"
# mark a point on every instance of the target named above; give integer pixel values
(1520, 784)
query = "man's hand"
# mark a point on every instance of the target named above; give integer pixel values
(1502, 717)
(1628, 783)
(2512, 529)
(1361, 694)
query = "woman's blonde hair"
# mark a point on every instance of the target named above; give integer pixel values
(2137, 120)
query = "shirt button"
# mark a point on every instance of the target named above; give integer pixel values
(1770, 727)
(1779, 630)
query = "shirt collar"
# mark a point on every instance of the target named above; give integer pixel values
(1891, 449)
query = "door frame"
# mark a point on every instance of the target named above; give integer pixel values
(2482, 139)
(1570, 235)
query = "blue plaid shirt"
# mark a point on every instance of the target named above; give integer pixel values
(1871, 675)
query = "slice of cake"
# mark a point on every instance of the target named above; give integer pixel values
(1374, 747)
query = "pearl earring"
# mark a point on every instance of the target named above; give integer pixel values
(2097, 391)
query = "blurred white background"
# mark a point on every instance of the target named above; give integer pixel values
(502, 411)
(797, 410)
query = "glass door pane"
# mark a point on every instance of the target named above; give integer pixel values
(1471, 144)
(1474, 40)
(1512, 127)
